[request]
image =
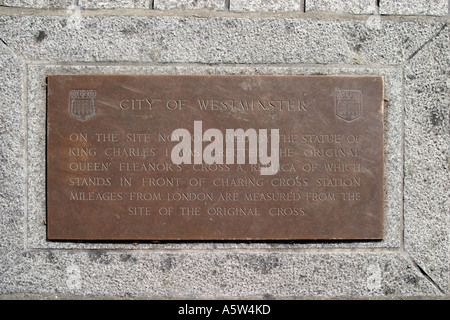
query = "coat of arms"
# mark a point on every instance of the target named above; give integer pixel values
(83, 104)
(348, 104)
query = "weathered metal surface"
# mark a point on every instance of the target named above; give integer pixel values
(113, 172)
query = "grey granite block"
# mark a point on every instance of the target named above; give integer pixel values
(216, 274)
(114, 4)
(427, 100)
(266, 5)
(12, 158)
(339, 6)
(414, 7)
(171, 39)
(189, 4)
(40, 4)
(87, 4)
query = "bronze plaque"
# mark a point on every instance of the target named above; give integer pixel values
(214, 157)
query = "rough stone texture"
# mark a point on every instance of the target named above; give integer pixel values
(427, 100)
(339, 6)
(387, 7)
(86, 4)
(413, 56)
(169, 39)
(40, 4)
(12, 159)
(114, 4)
(189, 4)
(414, 7)
(219, 274)
(266, 5)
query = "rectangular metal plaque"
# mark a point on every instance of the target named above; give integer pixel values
(214, 157)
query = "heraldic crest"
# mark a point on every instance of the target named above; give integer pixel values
(83, 104)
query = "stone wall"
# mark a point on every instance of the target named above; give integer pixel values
(405, 41)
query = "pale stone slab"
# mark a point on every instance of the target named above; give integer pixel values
(339, 6)
(414, 7)
(216, 274)
(40, 4)
(169, 39)
(266, 5)
(427, 100)
(189, 4)
(12, 159)
(114, 4)
(87, 4)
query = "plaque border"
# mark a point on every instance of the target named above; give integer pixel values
(390, 238)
